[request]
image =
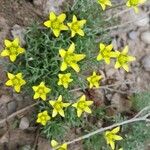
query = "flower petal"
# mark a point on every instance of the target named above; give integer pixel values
(80, 32)
(54, 113)
(81, 23)
(71, 48)
(75, 67)
(9, 83)
(10, 75)
(12, 57)
(62, 53)
(47, 23)
(61, 112)
(8, 43)
(115, 130)
(16, 42)
(54, 143)
(74, 18)
(36, 95)
(61, 17)
(56, 32)
(88, 110)
(52, 16)
(79, 112)
(5, 53)
(43, 97)
(63, 66)
(17, 88)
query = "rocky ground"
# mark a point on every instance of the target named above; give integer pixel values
(15, 16)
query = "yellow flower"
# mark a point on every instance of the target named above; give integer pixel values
(94, 80)
(15, 81)
(43, 117)
(70, 58)
(105, 53)
(76, 26)
(134, 4)
(40, 91)
(56, 23)
(104, 3)
(123, 59)
(82, 106)
(55, 144)
(111, 137)
(64, 79)
(58, 106)
(12, 49)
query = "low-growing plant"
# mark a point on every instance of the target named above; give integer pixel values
(62, 55)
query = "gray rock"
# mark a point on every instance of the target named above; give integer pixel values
(146, 62)
(5, 99)
(142, 19)
(24, 123)
(18, 97)
(18, 31)
(12, 107)
(48, 7)
(25, 147)
(38, 2)
(4, 29)
(145, 36)
(133, 35)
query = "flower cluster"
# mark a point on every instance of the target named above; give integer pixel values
(69, 59)
(111, 137)
(130, 3)
(56, 24)
(122, 58)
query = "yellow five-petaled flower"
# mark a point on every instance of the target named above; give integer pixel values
(15, 81)
(104, 3)
(111, 137)
(105, 53)
(94, 80)
(70, 59)
(56, 23)
(56, 146)
(134, 4)
(12, 49)
(64, 79)
(43, 117)
(123, 59)
(82, 105)
(76, 26)
(58, 106)
(41, 91)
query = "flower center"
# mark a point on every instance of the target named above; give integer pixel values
(70, 59)
(55, 24)
(134, 2)
(58, 105)
(64, 79)
(105, 53)
(81, 105)
(43, 118)
(93, 79)
(123, 59)
(61, 148)
(13, 50)
(40, 90)
(75, 26)
(16, 81)
(102, 1)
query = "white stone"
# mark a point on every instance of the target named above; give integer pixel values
(145, 36)
(18, 31)
(24, 123)
(146, 62)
